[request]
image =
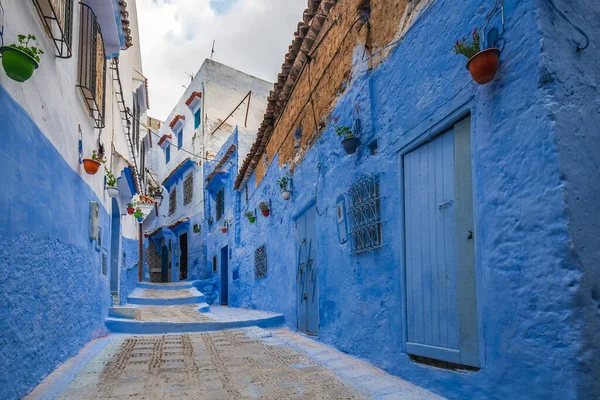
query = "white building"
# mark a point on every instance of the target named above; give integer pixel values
(218, 99)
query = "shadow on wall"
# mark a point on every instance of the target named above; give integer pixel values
(210, 288)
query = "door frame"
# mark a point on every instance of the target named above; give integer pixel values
(427, 132)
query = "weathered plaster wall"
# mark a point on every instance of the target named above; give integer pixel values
(573, 79)
(53, 297)
(532, 332)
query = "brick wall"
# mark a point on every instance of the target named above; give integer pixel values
(329, 71)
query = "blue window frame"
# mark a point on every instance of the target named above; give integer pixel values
(197, 118)
(180, 139)
(168, 154)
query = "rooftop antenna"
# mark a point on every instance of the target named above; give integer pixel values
(212, 52)
(190, 75)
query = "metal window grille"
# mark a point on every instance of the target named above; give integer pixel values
(91, 75)
(104, 263)
(173, 201)
(57, 18)
(188, 189)
(220, 206)
(365, 215)
(260, 261)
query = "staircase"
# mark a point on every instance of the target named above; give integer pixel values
(158, 308)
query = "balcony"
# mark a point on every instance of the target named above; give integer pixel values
(91, 73)
(57, 19)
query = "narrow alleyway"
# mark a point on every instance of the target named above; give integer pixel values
(244, 363)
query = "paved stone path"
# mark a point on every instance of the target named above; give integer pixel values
(185, 313)
(165, 294)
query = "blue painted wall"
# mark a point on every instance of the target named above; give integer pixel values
(537, 286)
(53, 296)
(129, 259)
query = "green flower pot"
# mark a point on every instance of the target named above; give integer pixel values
(252, 219)
(17, 64)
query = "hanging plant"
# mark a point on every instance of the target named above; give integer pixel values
(209, 220)
(111, 184)
(21, 60)
(264, 208)
(138, 214)
(251, 217)
(130, 208)
(283, 184)
(483, 64)
(91, 165)
(349, 141)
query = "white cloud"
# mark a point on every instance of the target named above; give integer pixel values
(177, 35)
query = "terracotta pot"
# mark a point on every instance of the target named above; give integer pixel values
(484, 65)
(286, 194)
(351, 144)
(224, 230)
(265, 212)
(91, 166)
(130, 210)
(17, 64)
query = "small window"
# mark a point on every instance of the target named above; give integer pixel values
(365, 215)
(196, 228)
(188, 189)
(197, 118)
(173, 201)
(167, 154)
(260, 261)
(220, 206)
(214, 269)
(180, 139)
(104, 262)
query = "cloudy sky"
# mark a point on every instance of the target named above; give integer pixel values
(177, 35)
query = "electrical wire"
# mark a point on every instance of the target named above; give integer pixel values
(578, 29)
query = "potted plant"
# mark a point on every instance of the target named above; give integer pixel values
(111, 184)
(251, 217)
(283, 184)
(91, 165)
(483, 64)
(130, 208)
(349, 141)
(138, 214)
(264, 208)
(209, 220)
(20, 60)
(224, 228)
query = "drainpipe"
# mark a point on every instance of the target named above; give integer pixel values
(140, 253)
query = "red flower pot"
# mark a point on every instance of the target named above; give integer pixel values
(91, 166)
(484, 65)
(224, 230)
(265, 212)
(130, 210)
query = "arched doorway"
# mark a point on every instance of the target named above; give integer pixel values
(115, 236)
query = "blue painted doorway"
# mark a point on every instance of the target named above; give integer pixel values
(307, 272)
(225, 275)
(441, 300)
(164, 266)
(115, 236)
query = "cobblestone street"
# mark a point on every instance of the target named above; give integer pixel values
(247, 363)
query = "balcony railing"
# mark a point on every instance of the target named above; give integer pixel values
(91, 74)
(57, 17)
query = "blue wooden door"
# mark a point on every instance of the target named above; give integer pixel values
(224, 276)
(440, 268)
(307, 271)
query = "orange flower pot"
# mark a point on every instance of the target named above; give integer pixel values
(484, 65)
(224, 230)
(265, 212)
(91, 166)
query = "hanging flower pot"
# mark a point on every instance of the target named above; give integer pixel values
(286, 194)
(251, 217)
(130, 209)
(224, 230)
(21, 60)
(350, 144)
(484, 65)
(264, 208)
(91, 166)
(112, 191)
(138, 214)
(140, 219)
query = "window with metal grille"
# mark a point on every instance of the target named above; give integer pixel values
(104, 263)
(188, 189)
(260, 261)
(173, 201)
(91, 71)
(57, 18)
(365, 215)
(220, 203)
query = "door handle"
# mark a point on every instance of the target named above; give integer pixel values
(470, 234)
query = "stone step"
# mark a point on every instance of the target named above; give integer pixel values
(153, 297)
(217, 319)
(166, 286)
